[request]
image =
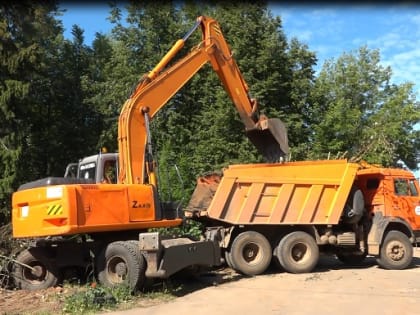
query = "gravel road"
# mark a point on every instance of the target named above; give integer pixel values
(331, 289)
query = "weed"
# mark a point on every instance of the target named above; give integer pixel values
(95, 298)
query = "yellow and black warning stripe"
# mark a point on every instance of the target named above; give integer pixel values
(216, 28)
(55, 209)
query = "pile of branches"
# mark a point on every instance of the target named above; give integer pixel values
(9, 248)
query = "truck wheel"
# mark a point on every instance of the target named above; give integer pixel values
(42, 273)
(250, 253)
(297, 252)
(121, 263)
(228, 259)
(396, 251)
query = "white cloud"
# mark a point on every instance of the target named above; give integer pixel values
(405, 68)
(332, 30)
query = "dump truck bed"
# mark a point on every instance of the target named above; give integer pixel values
(287, 193)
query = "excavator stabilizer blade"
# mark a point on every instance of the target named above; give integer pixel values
(270, 139)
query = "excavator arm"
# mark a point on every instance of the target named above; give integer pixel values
(159, 85)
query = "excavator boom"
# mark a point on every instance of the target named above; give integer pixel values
(159, 85)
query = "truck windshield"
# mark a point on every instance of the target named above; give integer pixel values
(413, 188)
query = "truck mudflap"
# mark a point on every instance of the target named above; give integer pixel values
(165, 257)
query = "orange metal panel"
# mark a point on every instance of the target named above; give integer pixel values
(222, 196)
(73, 209)
(250, 203)
(310, 205)
(289, 193)
(281, 203)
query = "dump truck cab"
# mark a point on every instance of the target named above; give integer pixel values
(392, 200)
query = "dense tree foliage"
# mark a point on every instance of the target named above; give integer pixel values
(60, 99)
(359, 114)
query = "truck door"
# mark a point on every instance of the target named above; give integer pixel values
(406, 199)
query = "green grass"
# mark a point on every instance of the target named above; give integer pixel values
(94, 298)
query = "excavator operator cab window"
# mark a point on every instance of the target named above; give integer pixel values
(88, 170)
(109, 172)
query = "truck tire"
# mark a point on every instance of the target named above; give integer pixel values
(228, 259)
(355, 206)
(250, 253)
(44, 274)
(121, 263)
(396, 251)
(297, 252)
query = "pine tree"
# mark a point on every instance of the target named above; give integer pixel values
(27, 31)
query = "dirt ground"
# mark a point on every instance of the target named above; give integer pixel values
(331, 289)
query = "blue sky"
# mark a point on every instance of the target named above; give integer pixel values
(329, 30)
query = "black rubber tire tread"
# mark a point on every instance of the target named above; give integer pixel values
(285, 256)
(264, 253)
(129, 254)
(142, 263)
(355, 202)
(387, 262)
(35, 256)
(352, 259)
(228, 259)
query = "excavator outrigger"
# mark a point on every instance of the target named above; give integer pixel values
(113, 215)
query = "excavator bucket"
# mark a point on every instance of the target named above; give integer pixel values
(270, 139)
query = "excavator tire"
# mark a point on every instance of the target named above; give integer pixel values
(121, 263)
(250, 253)
(33, 270)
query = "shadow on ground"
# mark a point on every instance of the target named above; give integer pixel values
(191, 280)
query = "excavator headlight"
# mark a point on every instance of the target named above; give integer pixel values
(24, 211)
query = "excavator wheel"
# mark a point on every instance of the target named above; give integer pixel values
(33, 270)
(121, 263)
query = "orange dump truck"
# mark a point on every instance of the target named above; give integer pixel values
(291, 212)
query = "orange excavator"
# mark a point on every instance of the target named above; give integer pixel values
(71, 218)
